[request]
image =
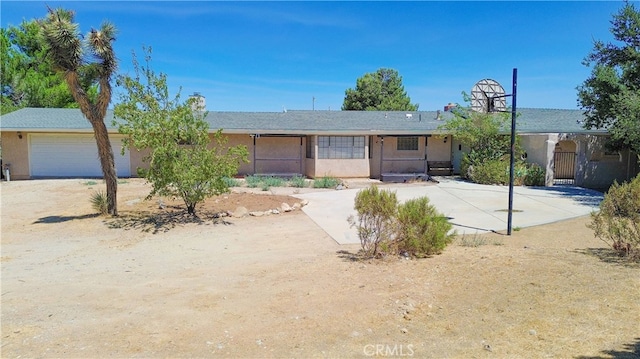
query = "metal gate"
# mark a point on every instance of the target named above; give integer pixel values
(564, 170)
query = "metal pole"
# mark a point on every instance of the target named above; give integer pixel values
(513, 148)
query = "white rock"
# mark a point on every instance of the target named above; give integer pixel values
(240, 212)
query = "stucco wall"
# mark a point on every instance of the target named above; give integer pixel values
(245, 140)
(279, 155)
(394, 161)
(595, 167)
(439, 148)
(15, 151)
(346, 168)
(539, 150)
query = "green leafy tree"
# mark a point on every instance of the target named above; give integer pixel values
(69, 52)
(610, 97)
(378, 91)
(183, 162)
(28, 77)
(488, 159)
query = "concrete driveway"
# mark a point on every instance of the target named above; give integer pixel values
(470, 207)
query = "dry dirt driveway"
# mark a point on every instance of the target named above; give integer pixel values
(155, 284)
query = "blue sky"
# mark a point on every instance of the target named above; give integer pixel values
(266, 56)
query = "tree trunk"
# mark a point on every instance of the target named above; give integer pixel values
(107, 162)
(95, 114)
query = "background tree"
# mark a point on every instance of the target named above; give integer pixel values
(27, 77)
(378, 91)
(488, 159)
(181, 164)
(610, 97)
(67, 51)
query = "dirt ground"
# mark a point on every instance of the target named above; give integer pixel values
(155, 283)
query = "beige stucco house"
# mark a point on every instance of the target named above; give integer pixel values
(46, 143)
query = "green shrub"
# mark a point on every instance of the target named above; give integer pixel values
(253, 181)
(618, 221)
(491, 172)
(535, 175)
(422, 230)
(414, 228)
(273, 181)
(326, 182)
(99, 202)
(298, 182)
(375, 223)
(231, 182)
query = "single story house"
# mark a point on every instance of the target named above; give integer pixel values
(54, 143)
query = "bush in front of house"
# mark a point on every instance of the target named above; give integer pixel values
(422, 230)
(618, 221)
(376, 220)
(412, 229)
(490, 172)
(535, 175)
(326, 182)
(298, 181)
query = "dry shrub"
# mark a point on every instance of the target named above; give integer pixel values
(414, 228)
(618, 221)
(375, 224)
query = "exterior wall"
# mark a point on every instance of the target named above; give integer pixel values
(15, 151)
(394, 161)
(279, 155)
(245, 140)
(598, 169)
(348, 168)
(432, 148)
(539, 150)
(374, 156)
(439, 148)
(594, 167)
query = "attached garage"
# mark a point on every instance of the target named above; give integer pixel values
(72, 155)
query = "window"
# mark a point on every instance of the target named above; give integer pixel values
(330, 147)
(407, 143)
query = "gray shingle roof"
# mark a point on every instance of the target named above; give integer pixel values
(304, 122)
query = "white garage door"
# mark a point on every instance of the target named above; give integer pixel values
(72, 156)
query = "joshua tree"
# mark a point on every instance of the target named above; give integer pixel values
(68, 50)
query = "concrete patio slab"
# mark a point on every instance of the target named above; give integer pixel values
(470, 207)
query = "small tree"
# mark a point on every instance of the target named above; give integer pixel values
(181, 163)
(485, 135)
(378, 91)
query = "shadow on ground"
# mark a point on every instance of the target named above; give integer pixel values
(630, 351)
(348, 256)
(60, 219)
(609, 255)
(583, 196)
(161, 222)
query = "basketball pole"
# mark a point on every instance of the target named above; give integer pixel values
(513, 148)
